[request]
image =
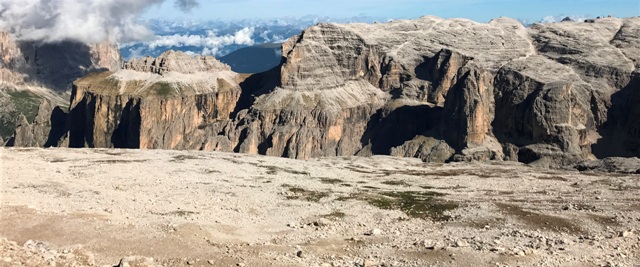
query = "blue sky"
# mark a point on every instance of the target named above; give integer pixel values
(479, 10)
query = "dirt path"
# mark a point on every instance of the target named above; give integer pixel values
(67, 207)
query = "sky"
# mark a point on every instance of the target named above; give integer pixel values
(478, 10)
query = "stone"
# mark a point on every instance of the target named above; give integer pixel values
(322, 222)
(625, 234)
(461, 244)
(374, 232)
(369, 263)
(613, 165)
(136, 261)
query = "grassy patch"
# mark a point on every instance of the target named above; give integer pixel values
(396, 183)
(299, 193)
(330, 180)
(210, 171)
(540, 221)
(272, 170)
(162, 89)
(14, 104)
(26, 103)
(183, 158)
(421, 205)
(554, 178)
(334, 215)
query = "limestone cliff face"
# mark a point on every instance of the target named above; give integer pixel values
(53, 66)
(176, 62)
(32, 74)
(144, 109)
(48, 129)
(437, 89)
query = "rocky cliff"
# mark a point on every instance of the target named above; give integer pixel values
(37, 76)
(165, 102)
(438, 89)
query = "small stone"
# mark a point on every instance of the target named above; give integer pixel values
(292, 225)
(240, 264)
(462, 244)
(368, 263)
(625, 234)
(428, 244)
(210, 262)
(299, 254)
(321, 222)
(136, 261)
(191, 262)
(374, 232)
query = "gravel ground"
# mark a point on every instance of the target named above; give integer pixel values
(84, 207)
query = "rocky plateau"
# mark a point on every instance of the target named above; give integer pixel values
(147, 208)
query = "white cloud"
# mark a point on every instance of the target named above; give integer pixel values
(559, 18)
(210, 43)
(89, 21)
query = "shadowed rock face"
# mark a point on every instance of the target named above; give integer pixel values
(167, 103)
(53, 65)
(431, 88)
(34, 78)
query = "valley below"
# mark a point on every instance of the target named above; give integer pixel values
(106, 207)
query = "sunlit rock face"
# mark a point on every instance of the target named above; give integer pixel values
(437, 89)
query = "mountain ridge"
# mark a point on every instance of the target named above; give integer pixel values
(437, 89)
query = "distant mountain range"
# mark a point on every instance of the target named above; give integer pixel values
(248, 46)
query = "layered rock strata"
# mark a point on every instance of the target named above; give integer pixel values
(438, 89)
(161, 103)
(36, 76)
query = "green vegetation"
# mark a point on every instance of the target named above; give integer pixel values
(541, 221)
(179, 158)
(26, 103)
(423, 204)
(15, 103)
(415, 204)
(162, 89)
(396, 182)
(330, 180)
(272, 170)
(303, 194)
(334, 215)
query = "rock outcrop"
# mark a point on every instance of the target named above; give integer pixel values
(438, 89)
(32, 73)
(52, 65)
(48, 129)
(153, 103)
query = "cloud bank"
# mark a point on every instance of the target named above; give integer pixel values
(210, 42)
(88, 21)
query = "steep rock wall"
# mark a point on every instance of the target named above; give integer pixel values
(440, 90)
